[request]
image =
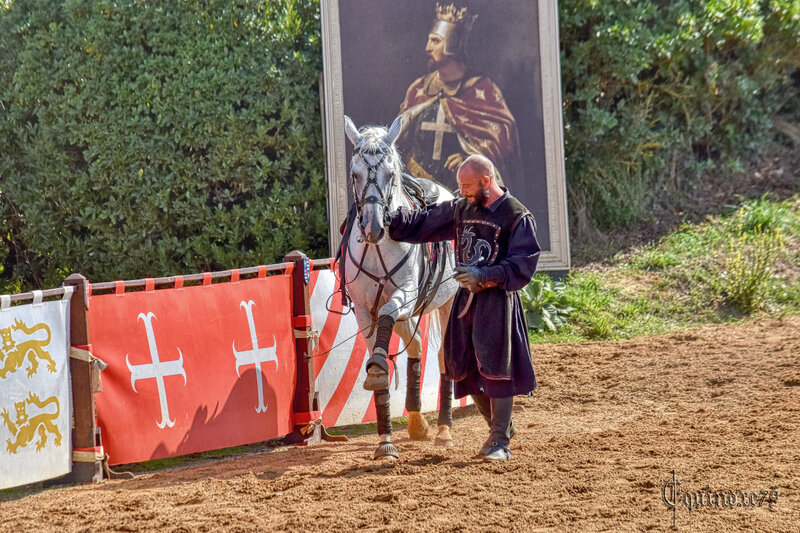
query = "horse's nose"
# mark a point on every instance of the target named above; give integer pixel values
(374, 236)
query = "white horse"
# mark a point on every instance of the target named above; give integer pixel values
(391, 282)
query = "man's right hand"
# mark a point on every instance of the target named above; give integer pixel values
(454, 161)
(389, 216)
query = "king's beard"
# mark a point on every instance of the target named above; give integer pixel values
(434, 64)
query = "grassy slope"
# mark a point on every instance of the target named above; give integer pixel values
(685, 279)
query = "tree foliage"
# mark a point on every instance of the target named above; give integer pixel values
(657, 93)
(151, 138)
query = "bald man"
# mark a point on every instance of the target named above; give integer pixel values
(496, 255)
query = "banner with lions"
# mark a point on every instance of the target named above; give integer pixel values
(34, 392)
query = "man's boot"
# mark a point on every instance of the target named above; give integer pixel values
(484, 405)
(501, 429)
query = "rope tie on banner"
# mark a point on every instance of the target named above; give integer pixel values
(83, 352)
(303, 329)
(111, 474)
(88, 455)
(97, 454)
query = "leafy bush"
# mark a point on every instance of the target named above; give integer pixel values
(150, 138)
(656, 94)
(750, 262)
(545, 304)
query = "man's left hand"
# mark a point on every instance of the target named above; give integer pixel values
(469, 277)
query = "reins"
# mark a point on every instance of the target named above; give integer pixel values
(427, 289)
(372, 324)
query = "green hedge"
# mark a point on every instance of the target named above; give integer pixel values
(657, 93)
(148, 138)
(151, 138)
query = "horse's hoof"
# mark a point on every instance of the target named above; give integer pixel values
(376, 380)
(417, 426)
(447, 443)
(386, 450)
(444, 438)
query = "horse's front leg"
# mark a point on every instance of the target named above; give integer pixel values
(386, 449)
(378, 369)
(397, 308)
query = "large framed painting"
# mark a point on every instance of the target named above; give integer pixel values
(473, 76)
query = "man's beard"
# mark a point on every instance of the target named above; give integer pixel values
(480, 198)
(434, 64)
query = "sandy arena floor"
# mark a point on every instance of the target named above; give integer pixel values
(597, 443)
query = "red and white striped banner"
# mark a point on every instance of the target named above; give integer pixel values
(340, 374)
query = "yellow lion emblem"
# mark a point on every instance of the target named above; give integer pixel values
(12, 354)
(24, 427)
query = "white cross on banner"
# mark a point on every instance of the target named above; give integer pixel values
(156, 369)
(256, 356)
(440, 127)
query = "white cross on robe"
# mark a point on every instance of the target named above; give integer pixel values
(440, 127)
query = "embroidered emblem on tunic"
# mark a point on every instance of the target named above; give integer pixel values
(474, 250)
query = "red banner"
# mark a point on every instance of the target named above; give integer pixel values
(195, 368)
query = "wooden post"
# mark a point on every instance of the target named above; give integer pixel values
(85, 381)
(307, 427)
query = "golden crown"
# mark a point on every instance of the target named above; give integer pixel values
(455, 15)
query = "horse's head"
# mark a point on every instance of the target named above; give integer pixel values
(374, 175)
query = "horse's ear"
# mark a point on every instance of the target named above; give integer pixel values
(394, 131)
(351, 131)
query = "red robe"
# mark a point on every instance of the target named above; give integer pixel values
(476, 109)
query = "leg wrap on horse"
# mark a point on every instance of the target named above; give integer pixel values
(445, 401)
(414, 371)
(382, 412)
(384, 334)
(382, 337)
(377, 367)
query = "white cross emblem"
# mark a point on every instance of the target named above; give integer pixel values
(256, 356)
(440, 127)
(156, 369)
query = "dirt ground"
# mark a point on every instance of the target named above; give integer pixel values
(598, 441)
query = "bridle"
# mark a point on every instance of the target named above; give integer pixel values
(384, 201)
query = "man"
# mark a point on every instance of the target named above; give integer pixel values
(452, 112)
(486, 343)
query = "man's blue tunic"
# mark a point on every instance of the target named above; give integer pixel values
(486, 351)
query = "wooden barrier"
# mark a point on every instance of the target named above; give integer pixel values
(308, 427)
(85, 377)
(88, 458)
